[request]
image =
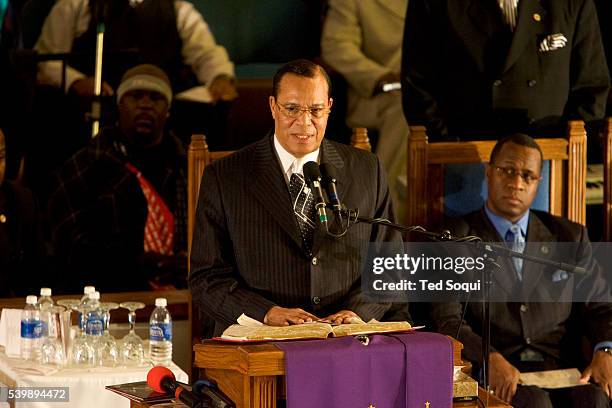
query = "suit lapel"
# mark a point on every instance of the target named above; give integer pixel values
(527, 29)
(270, 188)
(506, 277)
(537, 238)
(332, 157)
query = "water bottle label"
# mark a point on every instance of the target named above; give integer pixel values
(160, 332)
(94, 326)
(31, 329)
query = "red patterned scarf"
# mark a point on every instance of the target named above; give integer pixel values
(159, 228)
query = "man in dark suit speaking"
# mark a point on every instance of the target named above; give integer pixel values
(257, 247)
(541, 334)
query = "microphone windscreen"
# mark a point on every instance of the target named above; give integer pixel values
(156, 375)
(312, 172)
(328, 173)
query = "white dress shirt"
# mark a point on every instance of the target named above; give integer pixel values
(291, 164)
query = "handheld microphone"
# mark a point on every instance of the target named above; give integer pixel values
(162, 380)
(206, 389)
(312, 174)
(329, 181)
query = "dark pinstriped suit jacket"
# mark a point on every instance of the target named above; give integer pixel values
(552, 327)
(247, 253)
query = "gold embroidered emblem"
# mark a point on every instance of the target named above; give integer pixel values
(371, 406)
(537, 17)
(2, 218)
(427, 404)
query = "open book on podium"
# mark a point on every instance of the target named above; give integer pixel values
(249, 329)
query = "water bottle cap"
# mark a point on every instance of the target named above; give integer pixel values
(94, 295)
(161, 302)
(45, 291)
(31, 300)
(89, 289)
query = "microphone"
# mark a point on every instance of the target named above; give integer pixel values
(312, 174)
(206, 389)
(329, 180)
(162, 380)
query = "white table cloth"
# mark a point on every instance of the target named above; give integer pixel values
(86, 385)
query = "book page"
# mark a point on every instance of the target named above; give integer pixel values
(371, 327)
(299, 331)
(552, 378)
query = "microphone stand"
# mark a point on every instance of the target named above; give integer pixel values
(354, 217)
(491, 251)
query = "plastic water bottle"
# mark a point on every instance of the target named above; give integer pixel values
(160, 334)
(86, 291)
(94, 327)
(94, 322)
(31, 330)
(45, 301)
(45, 304)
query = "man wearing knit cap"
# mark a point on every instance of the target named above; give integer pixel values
(118, 210)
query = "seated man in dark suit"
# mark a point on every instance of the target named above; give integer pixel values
(257, 248)
(532, 335)
(118, 208)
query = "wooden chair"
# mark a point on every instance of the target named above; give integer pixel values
(426, 167)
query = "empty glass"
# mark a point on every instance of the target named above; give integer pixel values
(52, 348)
(81, 352)
(132, 349)
(70, 305)
(109, 349)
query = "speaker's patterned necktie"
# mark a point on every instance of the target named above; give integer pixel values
(509, 10)
(515, 237)
(302, 201)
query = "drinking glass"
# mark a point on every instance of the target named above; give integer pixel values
(81, 351)
(109, 349)
(132, 350)
(52, 348)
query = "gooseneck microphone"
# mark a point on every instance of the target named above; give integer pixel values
(312, 174)
(329, 182)
(162, 380)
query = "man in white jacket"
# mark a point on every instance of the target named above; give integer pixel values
(362, 39)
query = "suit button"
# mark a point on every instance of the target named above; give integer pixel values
(524, 308)
(315, 261)
(528, 340)
(497, 82)
(316, 300)
(531, 83)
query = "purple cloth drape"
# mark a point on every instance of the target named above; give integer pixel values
(397, 370)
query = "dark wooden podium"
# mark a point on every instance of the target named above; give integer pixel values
(252, 375)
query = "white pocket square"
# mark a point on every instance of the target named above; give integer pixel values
(559, 275)
(553, 42)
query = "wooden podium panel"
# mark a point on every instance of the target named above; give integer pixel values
(252, 375)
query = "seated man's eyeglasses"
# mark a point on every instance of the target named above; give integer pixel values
(511, 173)
(294, 111)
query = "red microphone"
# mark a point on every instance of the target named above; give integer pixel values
(163, 380)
